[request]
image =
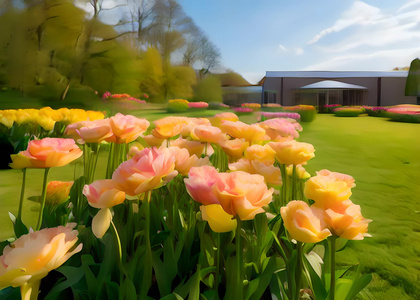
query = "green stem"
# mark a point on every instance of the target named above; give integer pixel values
(217, 277)
(332, 286)
(44, 196)
(147, 268)
(282, 168)
(22, 194)
(239, 262)
(299, 268)
(294, 184)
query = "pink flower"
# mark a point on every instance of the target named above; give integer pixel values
(127, 128)
(234, 148)
(149, 169)
(92, 131)
(103, 194)
(47, 153)
(202, 184)
(278, 129)
(209, 134)
(184, 162)
(244, 194)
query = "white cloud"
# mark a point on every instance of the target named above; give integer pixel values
(293, 50)
(378, 60)
(359, 13)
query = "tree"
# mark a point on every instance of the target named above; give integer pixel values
(412, 85)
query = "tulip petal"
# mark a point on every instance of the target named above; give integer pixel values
(101, 222)
(218, 219)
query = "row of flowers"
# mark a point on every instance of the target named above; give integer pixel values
(143, 227)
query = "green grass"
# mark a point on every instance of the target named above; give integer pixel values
(382, 156)
(384, 159)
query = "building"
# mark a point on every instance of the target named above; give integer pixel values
(319, 88)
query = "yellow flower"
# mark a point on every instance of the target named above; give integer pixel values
(240, 130)
(169, 127)
(293, 152)
(264, 154)
(193, 147)
(304, 223)
(228, 116)
(327, 191)
(29, 259)
(234, 148)
(218, 219)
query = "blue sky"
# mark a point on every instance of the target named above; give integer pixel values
(282, 35)
(255, 36)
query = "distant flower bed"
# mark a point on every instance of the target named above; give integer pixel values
(253, 106)
(198, 105)
(405, 113)
(348, 111)
(307, 112)
(328, 108)
(243, 110)
(108, 96)
(272, 107)
(376, 111)
(272, 115)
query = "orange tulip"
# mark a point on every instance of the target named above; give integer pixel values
(46, 153)
(347, 222)
(193, 147)
(264, 154)
(251, 133)
(271, 174)
(304, 223)
(58, 192)
(169, 127)
(208, 134)
(234, 148)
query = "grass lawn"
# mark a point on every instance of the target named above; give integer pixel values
(382, 156)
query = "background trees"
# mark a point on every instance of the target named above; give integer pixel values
(54, 49)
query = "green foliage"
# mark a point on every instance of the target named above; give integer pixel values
(231, 79)
(412, 85)
(208, 90)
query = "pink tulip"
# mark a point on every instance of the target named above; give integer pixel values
(103, 194)
(127, 128)
(149, 169)
(202, 184)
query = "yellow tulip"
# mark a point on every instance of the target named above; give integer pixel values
(292, 152)
(218, 219)
(304, 223)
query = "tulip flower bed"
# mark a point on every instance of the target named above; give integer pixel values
(404, 113)
(348, 111)
(212, 208)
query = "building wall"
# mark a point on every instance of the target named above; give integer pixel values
(392, 89)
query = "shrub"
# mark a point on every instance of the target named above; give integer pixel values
(376, 111)
(218, 105)
(307, 112)
(348, 111)
(272, 107)
(198, 105)
(177, 105)
(271, 115)
(328, 108)
(253, 106)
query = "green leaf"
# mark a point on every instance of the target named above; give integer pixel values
(261, 282)
(73, 276)
(20, 228)
(315, 281)
(128, 290)
(358, 285)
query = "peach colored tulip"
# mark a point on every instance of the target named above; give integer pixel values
(326, 191)
(271, 174)
(348, 223)
(251, 133)
(301, 172)
(184, 162)
(169, 127)
(304, 223)
(71, 130)
(94, 131)
(29, 258)
(192, 123)
(234, 148)
(244, 194)
(126, 128)
(153, 141)
(218, 219)
(103, 193)
(193, 147)
(135, 148)
(202, 184)
(58, 192)
(279, 129)
(149, 169)
(264, 154)
(208, 134)
(228, 116)
(293, 152)
(338, 177)
(47, 153)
